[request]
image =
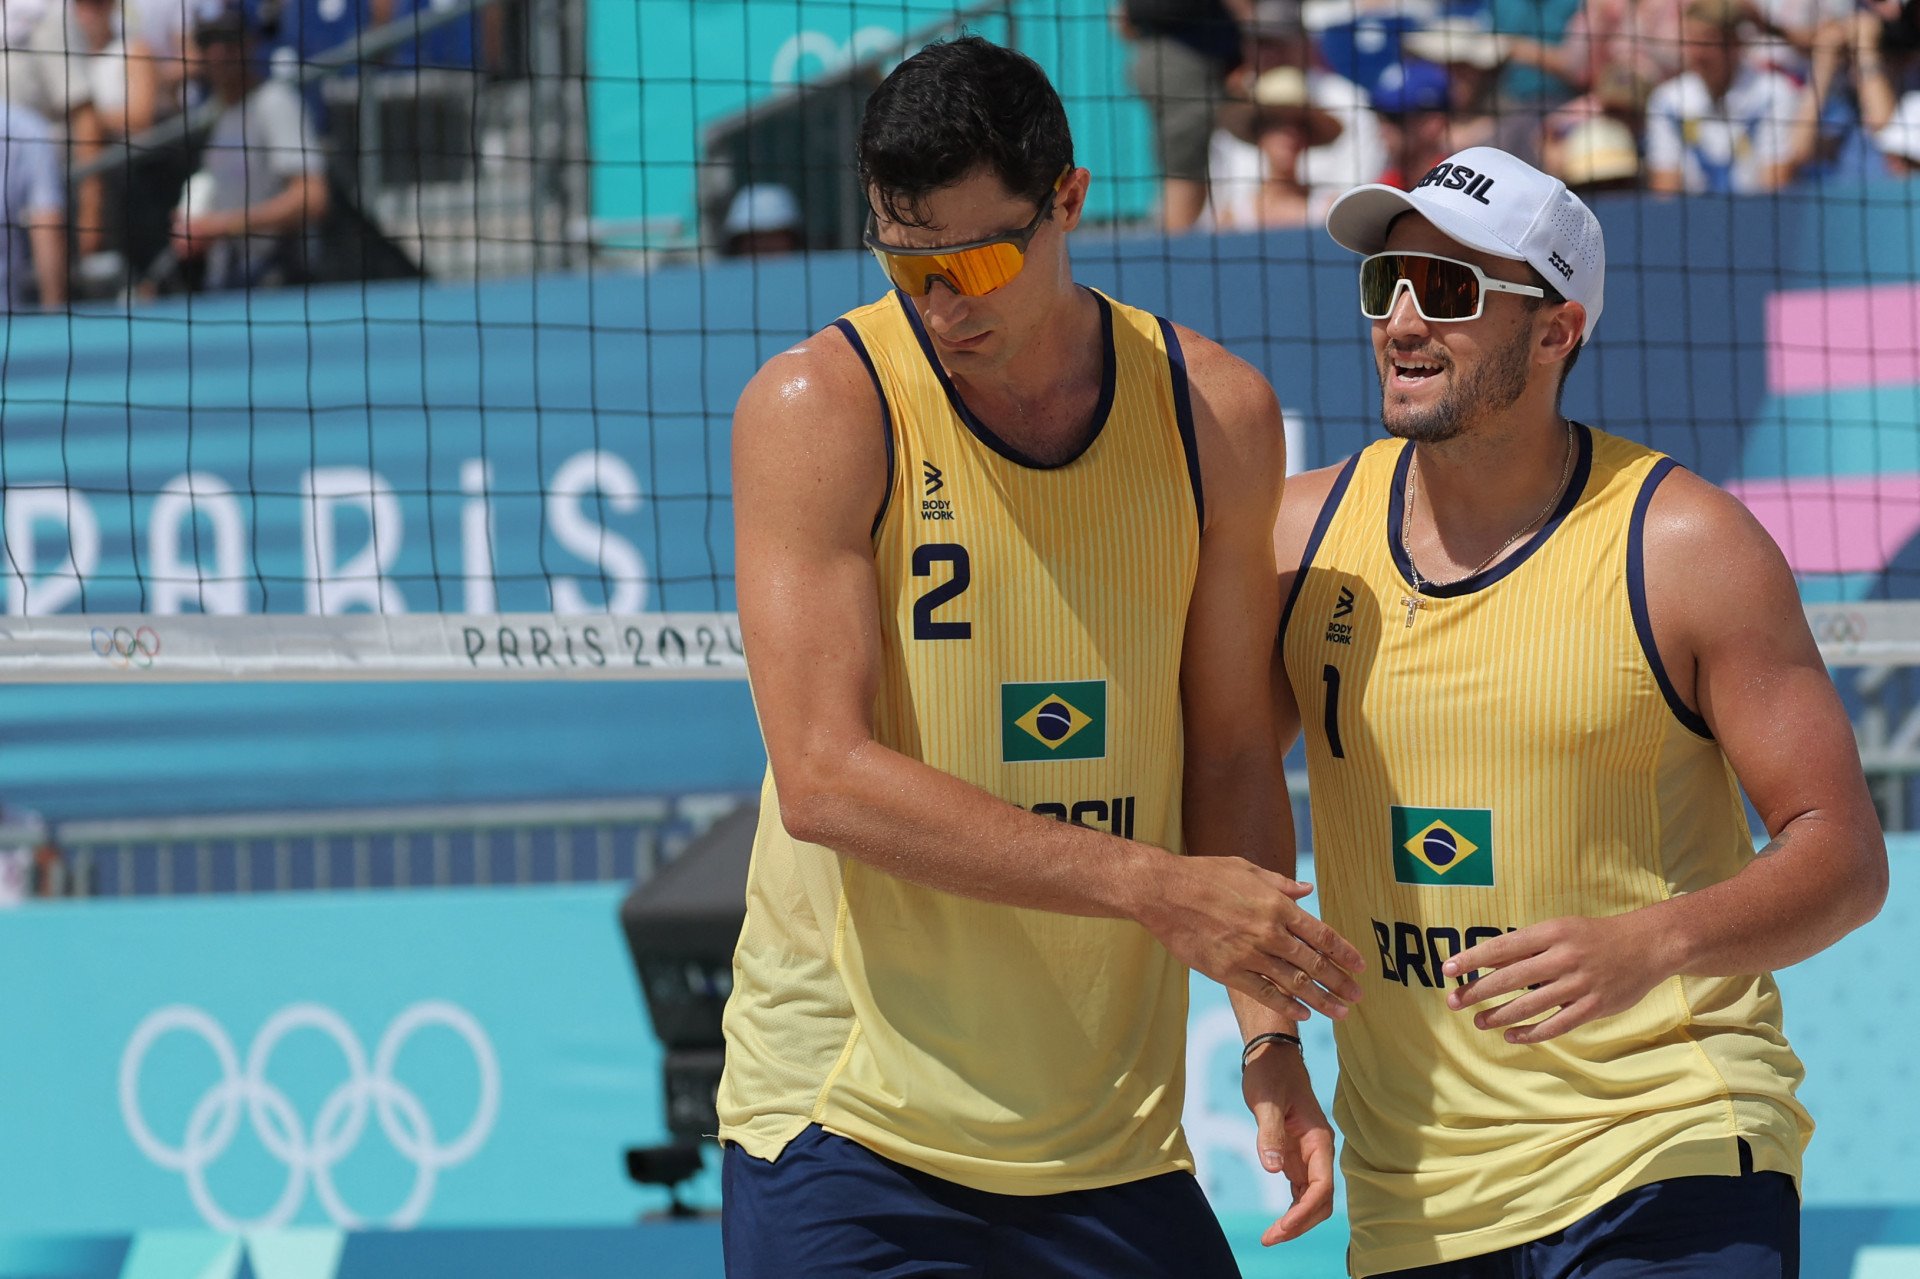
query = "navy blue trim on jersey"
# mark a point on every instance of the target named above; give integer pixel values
(1397, 514)
(1637, 599)
(1109, 373)
(886, 414)
(1320, 525)
(1183, 413)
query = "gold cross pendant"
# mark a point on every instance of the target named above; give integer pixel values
(1414, 604)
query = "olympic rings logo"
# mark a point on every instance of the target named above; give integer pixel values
(1838, 629)
(126, 647)
(309, 1156)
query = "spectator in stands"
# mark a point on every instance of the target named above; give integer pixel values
(1598, 155)
(18, 19)
(763, 221)
(1785, 31)
(1412, 101)
(1541, 24)
(1899, 39)
(1643, 35)
(118, 103)
(1619, 94)
(1842, 107)
(1720, 126)
(1359, 39)
(1182, 52)
(1878, 65)
(33, 202)
(261, 190)
(119, 66)
(1900, 139)
(262, 185)
(160, 29)
(35, 70)
(1279, 119)
(1276, 38)
(1471, 56)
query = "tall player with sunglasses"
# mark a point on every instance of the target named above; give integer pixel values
(1005, 550)
(1536, 664)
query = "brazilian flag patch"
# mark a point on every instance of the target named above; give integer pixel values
(1067, 720)
(1452, 846)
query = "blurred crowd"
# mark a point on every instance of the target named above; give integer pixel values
(156, 146)
(1265, 110)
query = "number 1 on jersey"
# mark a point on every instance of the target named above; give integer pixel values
(1331, 674)
(924, 558)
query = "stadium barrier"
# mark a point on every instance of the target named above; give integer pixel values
(471, 1063)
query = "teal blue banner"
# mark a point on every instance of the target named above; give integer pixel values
(662, 72)
(339, 1061)
(469, 1058)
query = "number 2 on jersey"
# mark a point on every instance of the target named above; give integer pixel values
(924, 558)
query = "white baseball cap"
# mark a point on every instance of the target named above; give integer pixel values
(1492, 202)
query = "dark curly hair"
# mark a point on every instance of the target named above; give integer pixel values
(955, 107)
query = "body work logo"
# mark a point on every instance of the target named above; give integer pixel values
(931, 507)
(1339, 632)
(1452, 846)
(1053, 721)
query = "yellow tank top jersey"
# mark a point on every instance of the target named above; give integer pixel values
(1032, 619)
(1516, 754)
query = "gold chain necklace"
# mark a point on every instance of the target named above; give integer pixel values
(1414, 601)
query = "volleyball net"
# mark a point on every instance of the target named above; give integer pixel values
(471, 419)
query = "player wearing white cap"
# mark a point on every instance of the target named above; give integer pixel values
(1536, 664)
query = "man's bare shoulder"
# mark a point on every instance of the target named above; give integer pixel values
(1692, 520)
(1300, 506)
(1237, 428)
(810, 428)
(1712, 571)
(1233, 392)
(822, 378)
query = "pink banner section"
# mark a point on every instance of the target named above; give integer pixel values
(1843, 339)
(1827, 524)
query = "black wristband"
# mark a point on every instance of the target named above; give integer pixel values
(1270, 1037)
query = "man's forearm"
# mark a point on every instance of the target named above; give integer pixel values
(1817, 881)
(1240, 806)
(928, 827)
(303, 202)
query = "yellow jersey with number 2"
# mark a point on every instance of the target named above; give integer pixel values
(1032, 620)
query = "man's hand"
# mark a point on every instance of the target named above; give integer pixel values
(1294, 1138)
(194, 236)
(1239, 924)
(1583, 968)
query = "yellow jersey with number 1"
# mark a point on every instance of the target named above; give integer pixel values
(1032, 619)
(1514, 753)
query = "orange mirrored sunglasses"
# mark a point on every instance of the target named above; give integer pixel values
(973, 269)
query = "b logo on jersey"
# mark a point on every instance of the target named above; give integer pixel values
(931, 507)
(1339, 632)
(1067, 720)
(1450, 846)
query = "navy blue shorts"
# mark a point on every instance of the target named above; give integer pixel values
(1745, 1227)
(831, 1207)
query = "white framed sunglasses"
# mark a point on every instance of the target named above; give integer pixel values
(1444, 290)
